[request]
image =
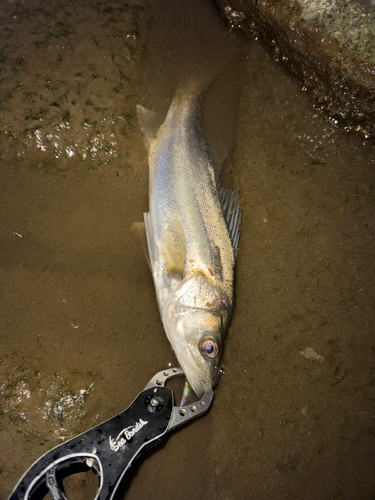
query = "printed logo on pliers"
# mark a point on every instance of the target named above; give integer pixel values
(126, 435)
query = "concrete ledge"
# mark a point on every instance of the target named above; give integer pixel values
(329, 45)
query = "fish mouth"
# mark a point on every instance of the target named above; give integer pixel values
(200, 382)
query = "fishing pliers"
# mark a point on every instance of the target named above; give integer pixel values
(110, 448)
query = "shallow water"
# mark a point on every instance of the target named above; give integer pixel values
(294, 413)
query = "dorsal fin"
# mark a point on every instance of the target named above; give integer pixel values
(216, 147)
(230, 204)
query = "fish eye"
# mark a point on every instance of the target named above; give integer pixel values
(209, 347)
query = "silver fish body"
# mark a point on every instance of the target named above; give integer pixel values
(192, 233)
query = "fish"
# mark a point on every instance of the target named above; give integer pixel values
(192, 229)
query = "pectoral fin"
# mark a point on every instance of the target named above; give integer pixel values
(169, 251)
(173, 241)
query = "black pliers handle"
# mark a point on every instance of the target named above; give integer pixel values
(110, 448)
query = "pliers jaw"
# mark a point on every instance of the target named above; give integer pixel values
(183, 414)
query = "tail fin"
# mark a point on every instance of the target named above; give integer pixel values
(195, 85)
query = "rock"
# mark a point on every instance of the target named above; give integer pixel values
(328, 44)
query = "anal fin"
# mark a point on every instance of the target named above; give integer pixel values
(149, 121)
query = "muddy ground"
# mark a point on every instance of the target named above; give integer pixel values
(294, 412)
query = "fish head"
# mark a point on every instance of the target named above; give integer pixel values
(196, 326)
(200, 355)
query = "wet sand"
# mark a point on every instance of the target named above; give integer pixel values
(294, 412)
